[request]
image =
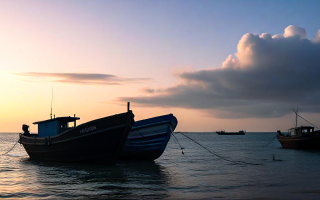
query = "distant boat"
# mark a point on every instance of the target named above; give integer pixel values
(302, 137)
(149, 138)
(231, 133)
(100, 140)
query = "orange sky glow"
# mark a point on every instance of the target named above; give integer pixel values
(92, 55)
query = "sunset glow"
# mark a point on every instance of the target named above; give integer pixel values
(188, 58)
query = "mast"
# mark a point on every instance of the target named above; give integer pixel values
(297, 115)
(51, 103)
(296, 118)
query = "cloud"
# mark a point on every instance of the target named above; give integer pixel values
(317, 37)
(151, 90)
(266, 77)
(295, 30)
(81, 78)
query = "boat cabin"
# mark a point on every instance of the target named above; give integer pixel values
(299, 131)
(55, 126)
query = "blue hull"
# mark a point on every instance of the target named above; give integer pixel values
(149, 138)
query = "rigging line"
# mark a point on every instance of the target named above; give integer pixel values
(140, 133)
(306, 120)
(10, 149)
(226, 159)
(178, 143)
(270, 141)
(51, 103)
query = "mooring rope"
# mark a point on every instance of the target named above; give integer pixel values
(223, 158)
(270, 141)
(178, 143)
(10, 149)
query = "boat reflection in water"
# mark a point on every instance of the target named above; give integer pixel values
(129, 180)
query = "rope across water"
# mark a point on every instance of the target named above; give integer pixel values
(178, 143)
(10, 149)
(223, 158)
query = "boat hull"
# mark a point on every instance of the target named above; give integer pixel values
(230, 133)
(308, 141)
(149, 138)
(99, 141)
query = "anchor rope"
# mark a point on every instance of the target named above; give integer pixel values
(10, 149)
(178, 143)
(223, 158)
(270, 141)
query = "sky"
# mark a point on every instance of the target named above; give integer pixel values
(216, 65)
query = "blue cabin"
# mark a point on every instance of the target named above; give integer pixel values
(55, 126)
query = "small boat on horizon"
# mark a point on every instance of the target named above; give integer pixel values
(231, 133)
(148, 138)
(98, 141)
(302, 137)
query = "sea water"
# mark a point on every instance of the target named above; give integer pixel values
(196, 174)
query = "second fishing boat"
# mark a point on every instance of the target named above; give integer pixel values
(149, 138)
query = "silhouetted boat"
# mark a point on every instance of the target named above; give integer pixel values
(100, 140)
(302, 137)
(231, 133)
(148, 138)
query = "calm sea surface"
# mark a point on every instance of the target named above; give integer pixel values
(195, 175)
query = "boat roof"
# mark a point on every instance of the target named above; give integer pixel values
(61, 119)
(300, 127)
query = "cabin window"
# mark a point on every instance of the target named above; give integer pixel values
(67, 125)
(71, 124)
(291, 132)
(64, 125)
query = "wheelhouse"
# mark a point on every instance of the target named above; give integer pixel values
(299, 131)
(55, 126)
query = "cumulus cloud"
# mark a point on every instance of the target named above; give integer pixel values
(81, 78)
(295, 30)
(266, 77)
(317, 37)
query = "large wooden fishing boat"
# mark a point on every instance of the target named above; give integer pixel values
(100, 140)
(302, 137)
(231, 133)
(149, 138)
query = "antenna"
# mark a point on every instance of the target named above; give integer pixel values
(51, 103)
(296, 118)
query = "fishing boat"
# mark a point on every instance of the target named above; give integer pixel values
(231, 133)
(149, 137)
(100, 140)
(302, 137)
